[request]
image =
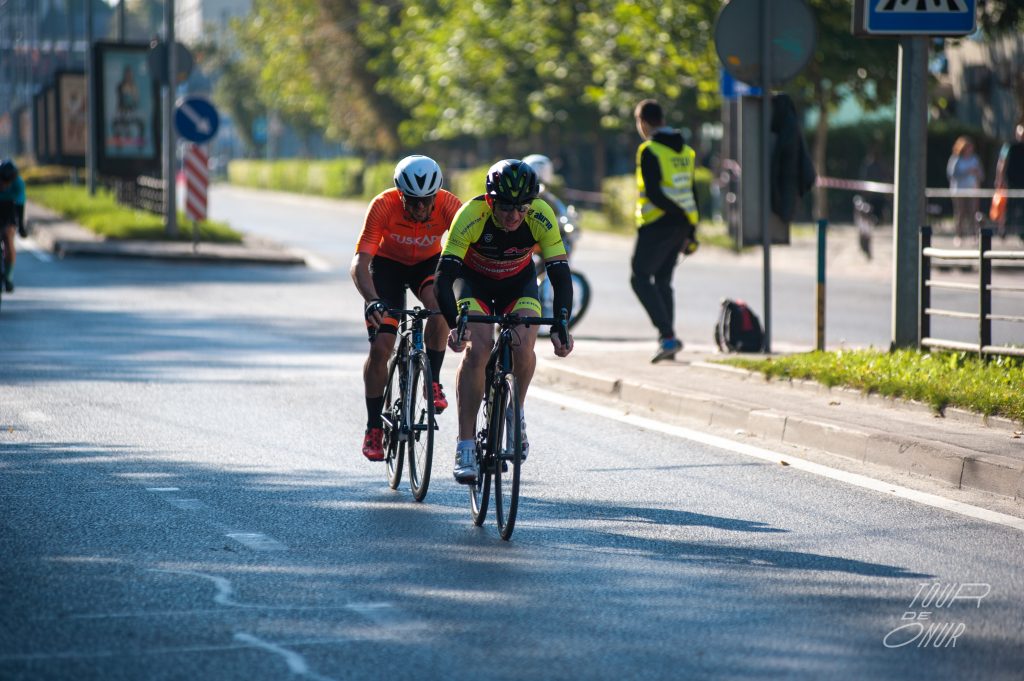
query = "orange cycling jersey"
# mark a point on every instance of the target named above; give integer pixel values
(389, 233)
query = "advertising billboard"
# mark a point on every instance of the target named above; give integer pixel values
(72, 100)
(127, 110)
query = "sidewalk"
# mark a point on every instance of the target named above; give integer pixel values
(961, 449)
(63, 238)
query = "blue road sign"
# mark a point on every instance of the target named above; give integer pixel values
(196, 119)
(919, 17)
(732, 89)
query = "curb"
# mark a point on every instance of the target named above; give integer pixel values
(949, 464)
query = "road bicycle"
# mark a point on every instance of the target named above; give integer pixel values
(499, 443)
(408, 414)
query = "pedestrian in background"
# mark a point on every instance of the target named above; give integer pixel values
(964, 172)
(666, 217)
(1010, 175)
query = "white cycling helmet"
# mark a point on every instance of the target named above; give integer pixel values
(418, 176)
(541, 165)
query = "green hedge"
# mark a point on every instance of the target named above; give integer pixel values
(337, 178)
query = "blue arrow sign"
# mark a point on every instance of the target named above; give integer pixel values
(196, 119)
(920, 17)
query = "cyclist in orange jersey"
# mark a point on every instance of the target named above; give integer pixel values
(398, 249)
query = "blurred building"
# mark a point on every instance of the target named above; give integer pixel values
(206, 20)
(985, 80)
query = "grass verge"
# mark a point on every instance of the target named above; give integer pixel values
(940, 379)
(103, 215)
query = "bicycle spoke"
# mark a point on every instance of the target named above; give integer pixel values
(421, 420)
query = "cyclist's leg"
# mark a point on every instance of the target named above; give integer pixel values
(9, 255)
(520, 296)
(389, 283)
(435, 330)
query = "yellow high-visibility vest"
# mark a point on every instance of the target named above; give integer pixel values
(676, 182)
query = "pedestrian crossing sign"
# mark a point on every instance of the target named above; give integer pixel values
(914, 17)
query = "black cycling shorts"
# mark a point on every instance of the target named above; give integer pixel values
(391, 279)
(498, 296)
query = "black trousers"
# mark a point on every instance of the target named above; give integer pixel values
(654, 260)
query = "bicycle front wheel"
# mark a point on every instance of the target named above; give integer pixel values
(420, 398)
(506, 430)
(394, 420)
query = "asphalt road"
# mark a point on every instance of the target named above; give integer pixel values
(182, 497)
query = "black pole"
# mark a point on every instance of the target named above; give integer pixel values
(924, 327)
(984, 292)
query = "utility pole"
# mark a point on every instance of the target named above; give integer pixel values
(170, 198)
(909, 208)
(90, 109)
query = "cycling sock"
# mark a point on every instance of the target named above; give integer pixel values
(436, 359)
(374, 406)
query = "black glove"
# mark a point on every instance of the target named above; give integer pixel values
(22, 232)
(375, 306)
(21, 221)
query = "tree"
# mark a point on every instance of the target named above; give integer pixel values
(843, 65)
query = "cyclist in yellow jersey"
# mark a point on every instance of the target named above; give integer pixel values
(486, 262)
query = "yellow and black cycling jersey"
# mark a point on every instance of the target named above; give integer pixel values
(486, 248)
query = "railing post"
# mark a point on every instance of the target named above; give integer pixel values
(984, 292)
(820, 289)
(925, 297)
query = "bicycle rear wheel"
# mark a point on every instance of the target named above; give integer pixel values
(420, 398)
(506, 430)
(394, 443)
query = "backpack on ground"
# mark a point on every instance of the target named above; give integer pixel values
(738, 328)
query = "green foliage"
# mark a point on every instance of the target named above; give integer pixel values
(939, 379)
(378, 177)
(337, 178)
(103, 215)
(469, 183)
(38, 175)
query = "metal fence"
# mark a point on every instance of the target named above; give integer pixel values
(142, 192)
(984, 257)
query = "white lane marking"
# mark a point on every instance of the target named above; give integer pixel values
(225, 591)
(257, 541)
(171, 650)
(163, 489)
(296, 663)
(768, 455)
(32, 247)
(186, 504)
(33, 416)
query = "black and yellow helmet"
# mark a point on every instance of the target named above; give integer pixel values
(512, 181)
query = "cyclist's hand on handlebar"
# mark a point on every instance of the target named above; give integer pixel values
(562, 350)
(375, 311)
(454, 342)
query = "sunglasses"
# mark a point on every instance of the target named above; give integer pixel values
(414, 201)
(509, 207)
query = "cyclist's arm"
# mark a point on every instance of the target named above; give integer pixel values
(361, 276)
(449, 267)
(374, 228)
(552, 249)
